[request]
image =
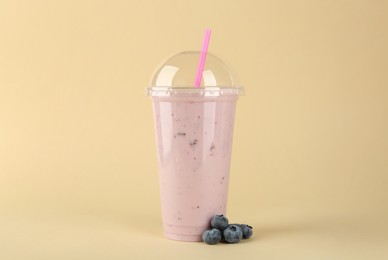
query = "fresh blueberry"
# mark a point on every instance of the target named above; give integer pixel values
(235, 224)
(233, 234)
(211, 236)
(219, 221)
(247, 231)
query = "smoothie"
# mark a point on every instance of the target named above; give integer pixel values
(194, 143)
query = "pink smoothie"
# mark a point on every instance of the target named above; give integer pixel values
(194, 144)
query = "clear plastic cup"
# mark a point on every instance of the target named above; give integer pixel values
(194, 132)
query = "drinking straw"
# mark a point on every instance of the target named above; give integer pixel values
(202, 58)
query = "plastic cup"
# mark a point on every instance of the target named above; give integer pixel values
(194, 132)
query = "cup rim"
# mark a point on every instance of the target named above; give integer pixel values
(161, 91)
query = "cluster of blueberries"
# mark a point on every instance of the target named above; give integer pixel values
(223, 231)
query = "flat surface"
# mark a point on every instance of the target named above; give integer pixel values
(78, 168)
(279, 234)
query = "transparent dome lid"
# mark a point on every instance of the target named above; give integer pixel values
(176, 77)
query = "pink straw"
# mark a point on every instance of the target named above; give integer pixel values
(202, 58)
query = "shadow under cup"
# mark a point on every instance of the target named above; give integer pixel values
(194, 143)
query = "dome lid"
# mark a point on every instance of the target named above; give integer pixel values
(176, 77)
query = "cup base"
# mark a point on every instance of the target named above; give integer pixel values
(183, 238)
(184, 233)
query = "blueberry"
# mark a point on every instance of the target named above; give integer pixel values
(211, 236)
(233, 234)
(219, 221)
(247, 231)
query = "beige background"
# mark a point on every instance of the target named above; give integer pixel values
(77, 150)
